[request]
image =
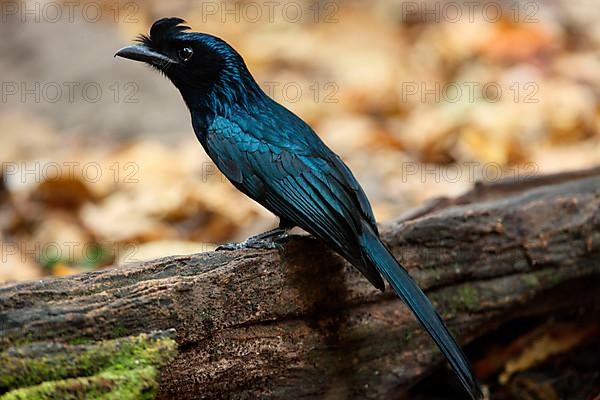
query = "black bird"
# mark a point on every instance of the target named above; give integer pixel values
(275, 158)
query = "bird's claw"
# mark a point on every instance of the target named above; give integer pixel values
(256, 243)
(230, 246)
(263, 244)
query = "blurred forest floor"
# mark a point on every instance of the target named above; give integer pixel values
(419, 105)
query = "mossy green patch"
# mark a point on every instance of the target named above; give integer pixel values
(108, 385)
(124, 368)
(555, 279)
(467, 298)
(80, 340)
(119, 331)
(532, 280)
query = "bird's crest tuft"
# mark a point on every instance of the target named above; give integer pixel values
(162, 28)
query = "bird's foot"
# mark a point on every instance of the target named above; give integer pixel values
(270, 240)
(251, 243)
(230, 246)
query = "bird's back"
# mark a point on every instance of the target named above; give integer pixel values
(275, 158)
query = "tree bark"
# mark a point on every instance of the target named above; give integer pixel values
(302, 323)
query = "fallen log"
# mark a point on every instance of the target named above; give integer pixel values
(301, 322)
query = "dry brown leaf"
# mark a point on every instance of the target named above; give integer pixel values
(122, 218)
(529, 389)
(16, 265)
(61, 269)
(552, 339)
(519, 41)
(164, 248)
(62, 192)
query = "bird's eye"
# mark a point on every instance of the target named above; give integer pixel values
(185, 53)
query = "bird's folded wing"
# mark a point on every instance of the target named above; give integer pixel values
(316, 191)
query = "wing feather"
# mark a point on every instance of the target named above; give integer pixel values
(311, 188)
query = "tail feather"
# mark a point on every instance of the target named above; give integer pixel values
(417, 301)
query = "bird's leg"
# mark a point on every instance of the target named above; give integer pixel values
(272, 239)
(267, 240)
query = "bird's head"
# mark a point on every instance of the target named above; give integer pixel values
(203, 67)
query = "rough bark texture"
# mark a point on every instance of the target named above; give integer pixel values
(302, 323)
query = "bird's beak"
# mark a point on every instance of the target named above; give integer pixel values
(140, 52)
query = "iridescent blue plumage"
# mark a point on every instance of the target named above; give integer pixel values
(275, 158)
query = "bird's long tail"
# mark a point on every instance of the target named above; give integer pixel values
(376, 252)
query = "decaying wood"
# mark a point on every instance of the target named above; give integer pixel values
(303, 323)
